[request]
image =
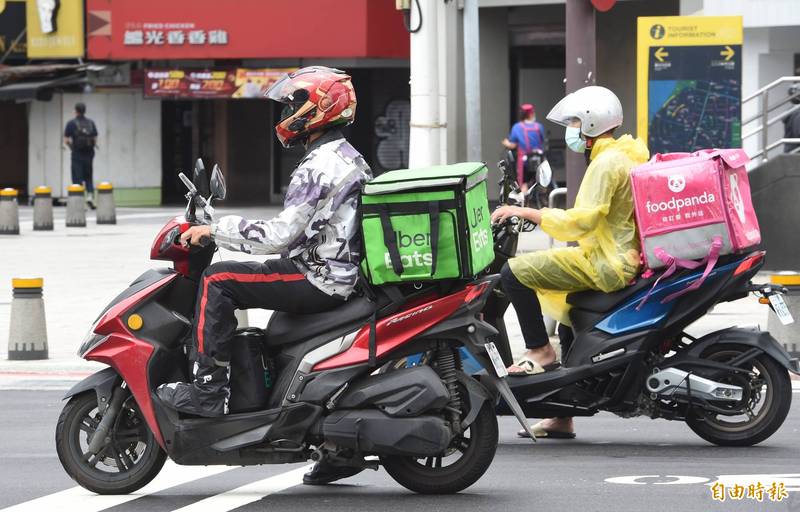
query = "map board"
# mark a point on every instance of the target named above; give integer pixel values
(688, 86)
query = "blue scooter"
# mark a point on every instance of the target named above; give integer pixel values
(731, 387)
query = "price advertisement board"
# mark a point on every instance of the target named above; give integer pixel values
(238, 83)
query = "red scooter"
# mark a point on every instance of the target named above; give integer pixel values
(319, 386)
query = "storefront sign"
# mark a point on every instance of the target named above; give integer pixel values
(55, 29)
(689, 82)
(238, 83)
(208, 29)
(12, 23)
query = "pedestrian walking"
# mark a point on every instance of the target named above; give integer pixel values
(791, 128)
(80, 135)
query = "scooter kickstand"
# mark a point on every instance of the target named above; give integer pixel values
(511, 400)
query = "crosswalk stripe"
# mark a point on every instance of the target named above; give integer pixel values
(247, 494)
(78, 498)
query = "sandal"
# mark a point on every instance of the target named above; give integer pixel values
(529, 368)
(542, 433)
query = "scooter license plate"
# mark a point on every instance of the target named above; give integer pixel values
(497, 361)
(779, 305)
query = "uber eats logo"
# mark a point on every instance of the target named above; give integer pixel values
(480, 237)
(417, 258)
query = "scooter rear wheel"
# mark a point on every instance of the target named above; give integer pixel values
(467, 459)
(768, 398)
(127, 463)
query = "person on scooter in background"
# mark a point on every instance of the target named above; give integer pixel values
(601, 222)
(316, 234)
(526, 136)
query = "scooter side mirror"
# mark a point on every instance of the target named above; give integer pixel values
(218, 188)
(544, 175)
(200, 178)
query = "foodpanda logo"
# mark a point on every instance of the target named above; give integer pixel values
(736, 196)
(676, 183)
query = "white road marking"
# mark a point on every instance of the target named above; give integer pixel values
(630, 480)
(681, 480)
(790, 480)
(78, 498)
(249, 493)
(677, 480)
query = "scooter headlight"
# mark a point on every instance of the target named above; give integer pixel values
(90, 341)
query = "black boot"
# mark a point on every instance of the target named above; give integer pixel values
(206, 396)
(324, 473)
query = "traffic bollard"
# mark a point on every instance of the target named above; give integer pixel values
(76, 206)
(787, 335)
(106, 210)
(27, 338)
(42, 209)
(9, 212)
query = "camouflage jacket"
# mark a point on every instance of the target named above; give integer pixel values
(318, 227)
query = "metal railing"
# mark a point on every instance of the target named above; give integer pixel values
(763, 115)
(551, 202)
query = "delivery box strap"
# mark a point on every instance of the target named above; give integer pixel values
(673, 264)
(409, 208)
(390, 240)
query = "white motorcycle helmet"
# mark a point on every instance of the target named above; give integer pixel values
(597, 108)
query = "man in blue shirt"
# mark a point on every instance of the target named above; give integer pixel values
(80, 135)
(526, 136)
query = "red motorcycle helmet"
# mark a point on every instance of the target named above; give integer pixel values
(315, 98)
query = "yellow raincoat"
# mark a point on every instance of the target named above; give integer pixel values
(602, 222)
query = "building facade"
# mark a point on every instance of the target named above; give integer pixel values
(169, 91)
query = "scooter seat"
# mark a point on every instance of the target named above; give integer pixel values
(600, 302)
(287, 328)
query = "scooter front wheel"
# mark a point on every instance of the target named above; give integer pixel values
(467, 459)
(128, 460)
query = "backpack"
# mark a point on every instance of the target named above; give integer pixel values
(83, 138)
(528, 149)
(691, 208)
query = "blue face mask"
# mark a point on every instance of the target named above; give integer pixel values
(573, 139)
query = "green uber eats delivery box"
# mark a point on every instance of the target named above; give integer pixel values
(426, 224)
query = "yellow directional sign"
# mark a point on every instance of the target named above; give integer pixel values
(688, 82)
(728, 52)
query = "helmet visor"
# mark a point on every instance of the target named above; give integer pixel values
(287, 89)
(566, 111)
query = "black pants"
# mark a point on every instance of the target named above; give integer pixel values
(82, 169)
(230, 285)
(529, 313)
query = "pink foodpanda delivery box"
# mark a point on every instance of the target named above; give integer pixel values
(693, 206)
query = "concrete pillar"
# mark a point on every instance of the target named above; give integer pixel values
(425, 136)
(9, 212)
(76, 206)
(472, 84)
(106, 210)
(43, 209)
(27, 337)
(581, 71)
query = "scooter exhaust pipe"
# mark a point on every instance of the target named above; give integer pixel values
(674, 382)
